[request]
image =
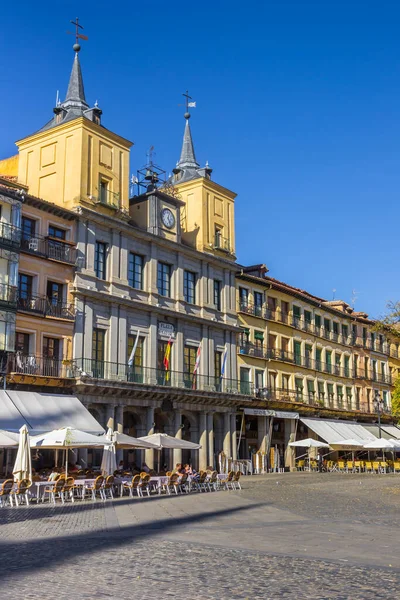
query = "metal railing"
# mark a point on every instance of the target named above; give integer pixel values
(310, 398)
(30, 364)
(10, 236)
(49, 248)
(221, 243)
(46, 307)
(158, 377)
(259, 351)
(251, 309)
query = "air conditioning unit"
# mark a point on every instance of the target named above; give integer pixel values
(33, 244)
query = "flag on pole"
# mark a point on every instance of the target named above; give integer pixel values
(196, 366)
(223, 364)
(167, 357)
(191, 104)
(132, 356)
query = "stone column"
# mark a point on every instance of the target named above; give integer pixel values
(203, 440)
(149, 454)
(262, 433)
(290, 454)
(178, 435)
(233, 432)
(227, 434)
(119, 426)
(210, 429)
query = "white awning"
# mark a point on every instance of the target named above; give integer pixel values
(44, 412)
(333, 431)
(392, 430)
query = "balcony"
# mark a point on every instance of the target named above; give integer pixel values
(50, 248)
(42, 306)
(43, 366)
(251, 309)
(221, 243)
(258, 351)
(8, 296)
(111, 371)
(10, 236)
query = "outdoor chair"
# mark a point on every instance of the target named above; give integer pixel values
(22, 492)
(227, 483)
(368, 466)
(201, 484)
(96, 488)
(300, 465)
(54, 490)
(396, 466)
(213, 481)
(383, 467)
(357, 466)
(235, 481)
(68, 489)
(144, 484)
(183, 483)
(152, 473)
(133, 486)
(172, 483)
(342, 466)
(108, 487)
(375, 466)
(5, 492)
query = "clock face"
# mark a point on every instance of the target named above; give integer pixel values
(167, 218)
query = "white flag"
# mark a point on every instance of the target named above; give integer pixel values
(132, 356)
(197, 363)
(191, 104)
(223, 365)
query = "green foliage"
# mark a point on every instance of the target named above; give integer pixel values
(396, 398)
(390, 323)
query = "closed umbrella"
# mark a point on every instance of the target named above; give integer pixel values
(67, 438)
(23, 465)
(109, 460)
(163, 440)
(121, 440)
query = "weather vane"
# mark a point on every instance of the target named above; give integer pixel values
(78, 36)
(188, 104)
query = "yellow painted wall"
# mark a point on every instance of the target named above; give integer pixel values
(64, 165)
(9, 166)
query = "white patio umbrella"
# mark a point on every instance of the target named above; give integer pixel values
(8, 439)
(163, 440)
(67, 438)
(379, 444)
(23, 464)
(121, 440)
(349, 444)
(308, 443)
(109, 460)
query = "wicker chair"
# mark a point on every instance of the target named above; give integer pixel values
(133, 486)
(235, 481)
(69, 488)
(144, 484)
(183, 483)
(96, 488)
(171, 483)
(22, 492)
(201, 483)
(227, 483)
(109, 487)
(5, 492)
(54, 490)
(213, 481)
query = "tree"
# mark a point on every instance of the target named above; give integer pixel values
(396, 398)
(390, 322)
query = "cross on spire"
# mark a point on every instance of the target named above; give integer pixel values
(78, 36)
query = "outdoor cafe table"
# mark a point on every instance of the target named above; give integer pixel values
(38, 487)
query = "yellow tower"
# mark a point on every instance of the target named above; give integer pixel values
(73, 159)
(208, 217)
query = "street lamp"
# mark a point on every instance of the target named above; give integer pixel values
(378, 406)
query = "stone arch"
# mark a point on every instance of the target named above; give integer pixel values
(132, 422)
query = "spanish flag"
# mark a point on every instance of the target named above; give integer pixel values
(166, 358)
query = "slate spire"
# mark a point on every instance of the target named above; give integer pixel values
(76, 92)
(188, 157)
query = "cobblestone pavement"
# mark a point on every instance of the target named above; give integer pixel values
(297, 536)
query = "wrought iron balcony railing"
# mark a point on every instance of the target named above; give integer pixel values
(10, 236)
(259, 351)
(8, 295)
(111, 371)
(44, 366)
(49, 248)
(46, 307)
(322, 400)
(222, 243)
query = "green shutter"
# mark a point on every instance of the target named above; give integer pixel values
(259, 335)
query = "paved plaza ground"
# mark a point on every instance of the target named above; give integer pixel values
(298, 536)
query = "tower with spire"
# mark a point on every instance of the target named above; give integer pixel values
(208, 218)
(73, 159)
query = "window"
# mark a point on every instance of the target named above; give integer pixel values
(243, 298)
(189, 361)
(189, 287)
(51, 348)
(296, 315)
(374, 370)
(258, 303)
(138, 358)
(54, 292)
(321, 390)
(259, 375)
(244, 381)
(284, 311)
(100, 260)
(366, 374)
(310, 390)
(369, 400)
(217, 294)
(358, 396)
(339, 391)
(162, 348)
(103, 191)
(307, 316)
(308, 355)
(338, 359)
(217, 364)
(318, 359)
(164, 279)
(135, 271)
(272, 381)
(271, 303)
(285, 347)
(299, 388)
(285, 382)
(330, 392)
(297, 353)
(317, 320)
(327, 327)
(28, 227)
(24, 286)
(56, 232)
(345, 332)
(98, 344)
(22, 343)
(383, 372)
(335, 329)
(349, 396)
(385, 399)
(328, 359)
(347, 366)
(245, 336)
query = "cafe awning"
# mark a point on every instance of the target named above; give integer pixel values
(44, 412)
(333, 431)
(392, 430)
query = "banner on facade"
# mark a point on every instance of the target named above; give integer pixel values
(279, 414)
(166, 330)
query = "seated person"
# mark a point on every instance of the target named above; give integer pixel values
(54, 474)
(178, 469)
(145, 468)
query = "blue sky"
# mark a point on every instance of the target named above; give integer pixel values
(298, 111)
